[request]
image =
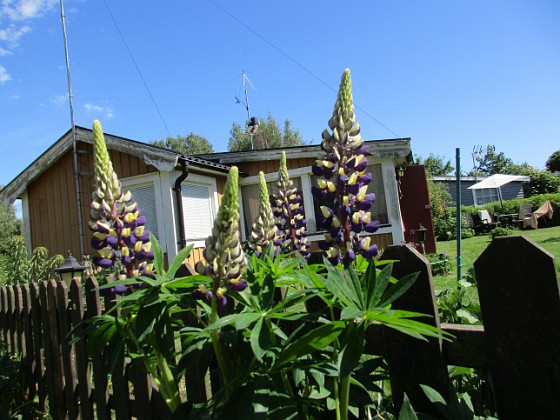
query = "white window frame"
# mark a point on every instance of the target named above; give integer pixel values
(153, 180)
(484, 196)
(210, 183)
(307, 198)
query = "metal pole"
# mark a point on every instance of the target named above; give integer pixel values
(74, 144)
(458, 211)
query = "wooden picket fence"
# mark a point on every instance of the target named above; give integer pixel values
(519, 344)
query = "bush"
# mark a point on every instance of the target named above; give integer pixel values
(440, 264)
(500, 231)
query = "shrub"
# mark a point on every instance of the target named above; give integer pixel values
(440, 263)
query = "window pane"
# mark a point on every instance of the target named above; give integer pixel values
(378, 209)
(250, 195)
(145, 197)
(197, 212)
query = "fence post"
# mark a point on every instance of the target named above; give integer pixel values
(520, 303)
(83, 370)
(412, 361)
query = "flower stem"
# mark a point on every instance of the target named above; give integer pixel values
(215, 335)
(344, 398)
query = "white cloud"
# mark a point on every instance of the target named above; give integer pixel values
(98, 109)
(12, 34)
(4, 76)
(17, 10)
(14, 97)
(15, 16)
(59, 99)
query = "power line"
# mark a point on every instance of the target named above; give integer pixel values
(138, 69)
(297, 63)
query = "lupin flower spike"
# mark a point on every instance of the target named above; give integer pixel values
(118, 228)
(288, 210)
(345, 184)
(264, 229)
(224, 256)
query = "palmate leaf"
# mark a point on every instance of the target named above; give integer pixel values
(158, 254)
(310, 342)
(260, 339)
(352, 349)
(402, 321)
(178, 261)
(338, 286)
(398, 289)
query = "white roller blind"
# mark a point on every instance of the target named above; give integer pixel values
(197, 212)
(145, 197)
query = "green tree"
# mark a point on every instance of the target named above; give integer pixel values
(553, 162)
(10, 227)
(435, 165)
(268, 135)
(191, 144)
(490, 163)
(543, 182)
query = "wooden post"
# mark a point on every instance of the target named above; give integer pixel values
(83, 370)
(36, 316)
(412, 361)
(98, 365)
(520, 303)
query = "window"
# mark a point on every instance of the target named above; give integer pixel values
(303, 180)
(145, 197)
(199, 207)
(250, 199)
(485, 195)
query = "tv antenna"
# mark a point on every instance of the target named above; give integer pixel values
(252, 123)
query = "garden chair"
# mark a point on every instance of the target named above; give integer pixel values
(525, 210)
(545, 209)
(486, 219)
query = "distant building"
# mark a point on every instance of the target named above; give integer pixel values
(470, 197)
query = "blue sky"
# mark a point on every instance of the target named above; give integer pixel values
(445, 73)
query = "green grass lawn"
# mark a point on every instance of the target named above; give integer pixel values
(547, 238)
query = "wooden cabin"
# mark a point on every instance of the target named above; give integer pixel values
(180, 195)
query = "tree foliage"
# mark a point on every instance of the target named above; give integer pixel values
(10, 226)
(191, 144)
(553, 162)
(435, 165)
(269, 135)
(543, 182)
(490, 163)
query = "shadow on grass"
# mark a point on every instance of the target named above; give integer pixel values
(551, 240)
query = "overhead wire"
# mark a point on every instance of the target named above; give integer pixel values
(137, 69)
(297, 63)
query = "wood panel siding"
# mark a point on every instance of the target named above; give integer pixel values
(268, 166)
(52, 198)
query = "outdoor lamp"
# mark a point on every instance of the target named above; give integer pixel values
(421, 235)
(400, 172)
(70, 269)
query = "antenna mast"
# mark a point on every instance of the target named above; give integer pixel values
(74, 144)
(252, 123)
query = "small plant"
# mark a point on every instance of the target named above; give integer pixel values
(440, 263)
(500, 231)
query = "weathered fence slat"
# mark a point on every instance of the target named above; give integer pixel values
(11, 323)
(520, 302)
(99, 373)
(66, 351)
(120, 400)
(36, 320)
(4, 313)
(141, 407)
(82, 362)
(57, 406)
(29, 359)
(411, 361)
(18, 315)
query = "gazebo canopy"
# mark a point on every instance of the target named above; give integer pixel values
(495, 181)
